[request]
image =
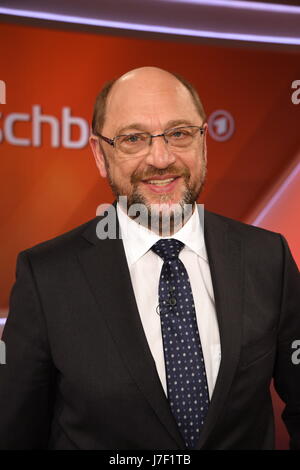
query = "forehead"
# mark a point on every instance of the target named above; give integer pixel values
(150, 102)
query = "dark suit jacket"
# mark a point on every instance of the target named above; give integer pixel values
(80, 374)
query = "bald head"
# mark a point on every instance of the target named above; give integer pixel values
(144, 73)
(142, 87)
(147, 77)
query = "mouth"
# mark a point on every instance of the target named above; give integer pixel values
(160, 184)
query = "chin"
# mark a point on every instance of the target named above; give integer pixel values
(165, 199)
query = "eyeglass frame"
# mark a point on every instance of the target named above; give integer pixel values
(112, 141)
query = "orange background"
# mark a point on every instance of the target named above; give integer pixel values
(46, 191)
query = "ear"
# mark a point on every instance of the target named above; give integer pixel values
(98, 155)
(205, 126)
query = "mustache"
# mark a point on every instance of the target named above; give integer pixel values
(139, 176)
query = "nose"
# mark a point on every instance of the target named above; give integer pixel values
(159, 154)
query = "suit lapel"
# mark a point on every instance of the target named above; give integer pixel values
(226, 265)
(105, 267)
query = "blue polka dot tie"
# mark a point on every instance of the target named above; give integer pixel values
(185, 369)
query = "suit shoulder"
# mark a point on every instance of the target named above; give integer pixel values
(61, 243)
(243, 229)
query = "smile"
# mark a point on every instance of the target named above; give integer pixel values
(161, 182)
(161, 185)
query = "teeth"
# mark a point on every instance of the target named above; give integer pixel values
(161, 182)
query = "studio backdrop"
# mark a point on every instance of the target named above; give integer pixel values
(49, 181)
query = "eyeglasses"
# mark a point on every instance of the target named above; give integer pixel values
(139, 142)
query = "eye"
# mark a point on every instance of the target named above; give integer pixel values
(130, 139)
(179, 134)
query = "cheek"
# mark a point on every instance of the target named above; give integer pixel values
(121, 173)
(192, 162)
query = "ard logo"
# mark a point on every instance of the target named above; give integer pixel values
(2, 92)
(2, 352)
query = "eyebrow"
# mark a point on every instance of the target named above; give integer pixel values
(141, 127)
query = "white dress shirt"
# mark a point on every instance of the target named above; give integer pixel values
(145, 267)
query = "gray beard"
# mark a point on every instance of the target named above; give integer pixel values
(163, 223)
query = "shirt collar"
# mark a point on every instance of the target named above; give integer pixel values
(137, 239)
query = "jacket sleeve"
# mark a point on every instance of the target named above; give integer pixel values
(27, 377)
(287, 366)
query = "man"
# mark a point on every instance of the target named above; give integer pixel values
(159, 339)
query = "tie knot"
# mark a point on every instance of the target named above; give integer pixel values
(168, 248)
